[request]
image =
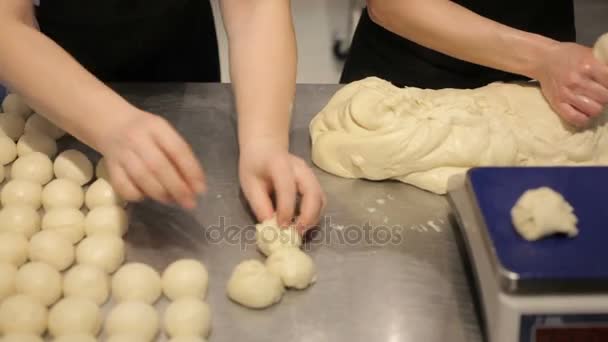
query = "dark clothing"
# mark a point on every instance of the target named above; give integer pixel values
(376, 51)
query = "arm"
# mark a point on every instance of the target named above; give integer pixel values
(263, 69)
(53, 83)
(574, 83)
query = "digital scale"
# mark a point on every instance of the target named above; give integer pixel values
(551, 290)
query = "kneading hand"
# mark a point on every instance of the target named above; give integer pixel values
(265, 169)
(574, 83)
(146, 157)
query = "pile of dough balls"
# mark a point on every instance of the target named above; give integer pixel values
(259, 285)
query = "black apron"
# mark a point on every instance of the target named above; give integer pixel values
(376, 51)
(136, 40)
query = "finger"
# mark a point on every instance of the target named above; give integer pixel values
(143, 178)
(594, 91)
(123, 185)
(572, 115)
(180, 153)
(585, 105)
(259, 200)
(312, 197)
(285, 191)
(599, 73)
(156, 161)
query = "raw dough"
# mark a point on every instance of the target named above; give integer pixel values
(126, 338)
(73, 315)
(270, 237)
(75, 338)
(185, 278)
(74, 165)
(8, 150)
(133, 317)
(62, 193)
(3, 174)
(187, 316)
(600, 49)
(21, 338)
(22, 192)
(101, 170)
(88, 282)
(187, 339)
(53, 248)
(67, 221)
(101, 193)
(22, 314)
(8, 272)
(109, 219)
(39, 280)
(542, 212)
(136, 281)
(13, 248)
(254, 286)
(371, 129)
(39, 124)
(11, 125)
(19, 219)
(104, 251)
(34, 166)
(36, 142)
(14, 103)
(295, 268)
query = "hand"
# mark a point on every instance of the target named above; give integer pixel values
(574, 83)
(146, 157)
(265, 168)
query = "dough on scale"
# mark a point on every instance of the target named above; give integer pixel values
(101, 193)
(39, 280)
(253, 285)
(13, 248)
(109, 219)
(133, 317)
(19, 219)
(542, 212)
(75, 338)
(36, 142)
(8, 273)
(295, 268)
(371, 129)
(187, 316)
(270, 237)
(104, 251)
(22, 314)
(74, 315)
(53, 248)
(38, 124)
(73, 165)
(21, 192)
(185, 278)
(21, 338)
(8, 150)
(62, 193)
(136, 281)
(87, 281)
(36, 167)
(11, 125)
(69, 222)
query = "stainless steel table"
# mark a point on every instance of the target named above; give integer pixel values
(389, 268)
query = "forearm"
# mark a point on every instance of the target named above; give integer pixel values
(449, 28)
(263, 69)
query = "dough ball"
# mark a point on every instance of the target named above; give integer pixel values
(62, 193)
(13, 248)
(36, 142)
(600, 50)
(101, 193)
(109, 219)
(22, 314)
(14, 103)
(254, 286)
(74, 315)
(21, 338)
(7, 171)
(2, 173)
(295, 268)
(39, 280)
(53, 248)
(69, 222)
(187, 339)
(8, 272)
(133, 317)
(76, 338)
(36, 167)
(104, 251)
(136, 281)
(101, 170)
(19, 219)
(270, 237)
(87, 281)
(11, 125)
(73, 165)
(187, 316)
(41, 125)
(185, 278)
(22, 192)
(542, 212)
(8, 150)
(126, 338)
